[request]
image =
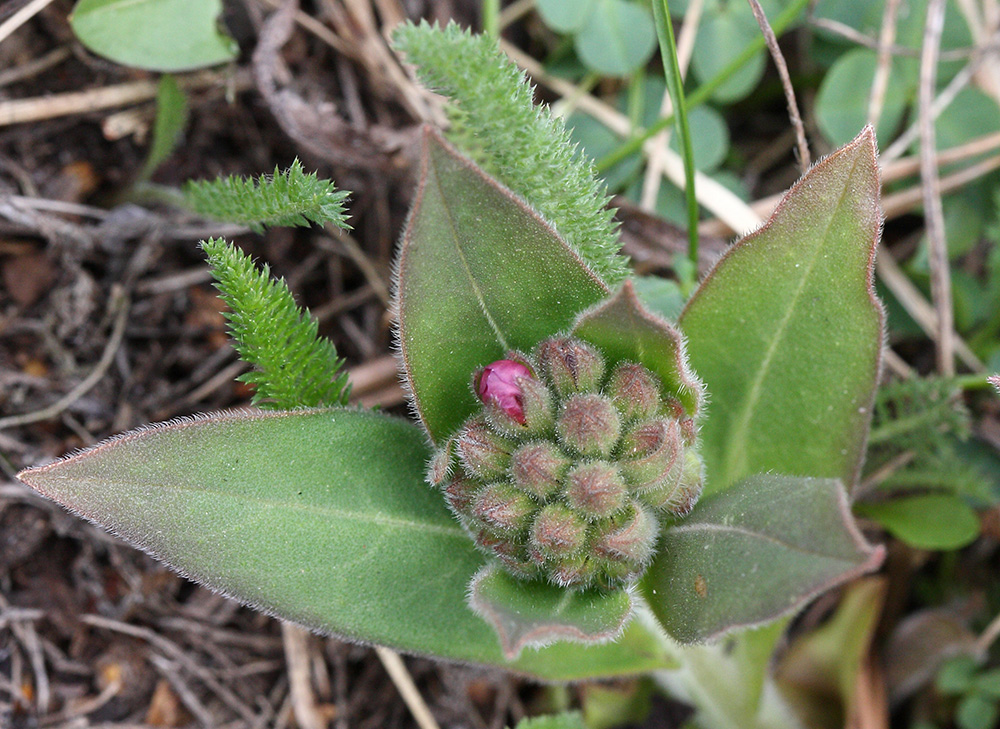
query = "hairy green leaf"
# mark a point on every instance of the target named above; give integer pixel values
(289, 198)
(319, 516)
(295, 367)
(537, 613)
(479, 275)
(159, 35)
(753, 553)
(623, 329)
(786, 332)
(494, 121)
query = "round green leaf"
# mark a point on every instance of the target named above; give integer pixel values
(927, 521)
(842, 102)
(159, 35)
(722, 37)
(617, 38)
(565, 16)
(709, 138)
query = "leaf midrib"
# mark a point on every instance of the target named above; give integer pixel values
(744, 532)
(313, 509)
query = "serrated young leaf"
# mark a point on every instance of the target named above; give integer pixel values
(495, 121)
(295, 367)
(289, 198)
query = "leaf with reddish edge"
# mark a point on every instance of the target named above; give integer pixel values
(536, 614)
(786, 331)
(623, 329)
(319, 516)
(753, 553)
(480, 275)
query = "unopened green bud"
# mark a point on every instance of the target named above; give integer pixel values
(558, 532)
(509, 551)
(483, 453)
(440, 466)
(629, 537)
(538, 467)
(595, 490)
(571, 365)
(576, 571)
(460, 493)
(679, 495)
(589, 425)
(504, 508)
(634, 390)
(652, 457)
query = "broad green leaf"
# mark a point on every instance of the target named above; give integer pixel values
(479, 275)
(977, 712)
(319, 516)
(753, 553)
(623, 329)
(925, 521)
(565, 16)
(616, 38)
(537, 614)
(171, 117)
(786, 332)
(842, 101)
(158, 35)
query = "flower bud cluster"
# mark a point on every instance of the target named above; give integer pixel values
(564, 472)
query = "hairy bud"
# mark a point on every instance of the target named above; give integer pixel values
(502, 507)
(571, 365)
(483, 452)
(562, 476)
(538, 467)
(595, 490)
(558, 532)
(634, 390)
(589, 425)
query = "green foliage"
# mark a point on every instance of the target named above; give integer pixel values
(978, 692)
(171, 117)
(565, 720)
(289, 198)
(925, 419)
(158, 35)
(495, 121)
(294, 366)
(611, 37)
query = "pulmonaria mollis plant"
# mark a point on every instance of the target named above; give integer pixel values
(566, 471)
(567, 425)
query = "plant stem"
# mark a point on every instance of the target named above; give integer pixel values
(675, 82)
(491, 18)
(701, 94)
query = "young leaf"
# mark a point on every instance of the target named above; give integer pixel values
(786, 331)
(494, 121)
(319, 516)
(289, 198)
(158, 35)
(295, 367)
(623, 329)
(753, 553)
(565, 720)
(536, 614)
(617, 38)
(479, 275)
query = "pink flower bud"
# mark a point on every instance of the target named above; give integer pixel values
(498, 384)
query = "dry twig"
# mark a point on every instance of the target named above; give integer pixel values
(786, 84)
